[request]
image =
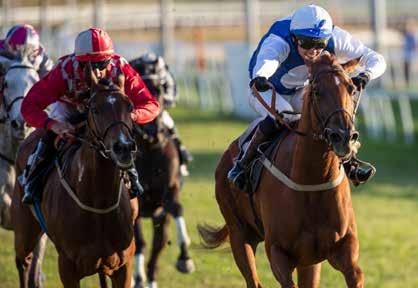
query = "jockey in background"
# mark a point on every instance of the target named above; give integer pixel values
(281, 58)
(160, 81)
(22, 41)
(65, 87)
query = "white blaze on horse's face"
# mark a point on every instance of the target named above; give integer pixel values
(111, 99)
(337, 80)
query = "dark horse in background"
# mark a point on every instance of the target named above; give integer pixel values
(159, 166)
(306, 216)
(87, 208)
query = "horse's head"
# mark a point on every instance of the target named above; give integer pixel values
(109, 121)
(19, 77)
(331, 104)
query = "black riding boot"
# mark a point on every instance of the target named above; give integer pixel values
(264, 132)
(185, 156)
(136, 187)
(359, 171)
(44, 151)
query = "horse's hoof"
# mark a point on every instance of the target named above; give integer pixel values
(185, 266)
(137, 283)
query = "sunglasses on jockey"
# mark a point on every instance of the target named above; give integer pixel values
(99, 65)
(307, 42)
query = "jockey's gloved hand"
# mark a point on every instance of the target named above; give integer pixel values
(361, 80)
(261, 83)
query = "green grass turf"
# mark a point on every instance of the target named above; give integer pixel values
(386, 211)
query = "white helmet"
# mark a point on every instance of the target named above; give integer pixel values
(312, 21)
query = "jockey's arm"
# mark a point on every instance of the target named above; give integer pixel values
(170, 90)
(146, 107)
(348, 48)
(45, 92)
(273, 51)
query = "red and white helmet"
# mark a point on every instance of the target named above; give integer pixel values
(21, 40)
(93, 45)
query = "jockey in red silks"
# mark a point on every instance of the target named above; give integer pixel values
(66, 89)
(22, 41)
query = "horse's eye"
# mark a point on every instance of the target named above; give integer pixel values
(130, 107)
(93, 109)
(351, 89)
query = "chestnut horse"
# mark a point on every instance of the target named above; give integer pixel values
(159, 164)
(86, 206)
(314, 220)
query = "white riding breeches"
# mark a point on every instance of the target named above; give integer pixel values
(61, 111)
(283, 103)
(167, 120)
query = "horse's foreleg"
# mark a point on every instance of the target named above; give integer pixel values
(160, 239)
(139, 274)
(123, 276)
(35, 273)
(67, 271)
(173, 206)
(244, 254)
(281, 265)
(309, 276)
(27, 234)
(345, 259)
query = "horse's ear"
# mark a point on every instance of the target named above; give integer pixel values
(121, 81)
(89, 76)
(351, 65)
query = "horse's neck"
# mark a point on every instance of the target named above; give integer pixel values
(96, 179)
(8, 143)
(313, 162)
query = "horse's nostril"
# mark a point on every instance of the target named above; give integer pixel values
(335, 137)
(14, 124)
(354, 136)
(132, 146)
(117, 147)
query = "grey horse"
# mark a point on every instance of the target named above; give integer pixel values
(18, 78)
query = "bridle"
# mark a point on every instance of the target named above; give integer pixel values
(314, 101)
(323, 120)
(97, 139)
(9, 106)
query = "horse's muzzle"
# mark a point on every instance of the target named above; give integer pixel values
(124, 153)
(342, 141)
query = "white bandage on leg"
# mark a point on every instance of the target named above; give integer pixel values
(167, 120)
(140, 267)
(182, 236)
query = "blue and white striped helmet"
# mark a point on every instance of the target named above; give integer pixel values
(312, 21)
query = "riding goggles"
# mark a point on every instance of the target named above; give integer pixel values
(311, 42)
(100, 65)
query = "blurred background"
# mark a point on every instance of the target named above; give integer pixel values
(207, 45)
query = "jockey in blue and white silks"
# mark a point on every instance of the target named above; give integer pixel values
(281, 58)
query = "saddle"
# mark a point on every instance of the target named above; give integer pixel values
(265, 150)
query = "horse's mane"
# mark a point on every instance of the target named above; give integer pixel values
(328, 61)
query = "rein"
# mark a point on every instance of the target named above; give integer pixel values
(313, 99)
(71, 193)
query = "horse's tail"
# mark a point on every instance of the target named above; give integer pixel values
(212, 237)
